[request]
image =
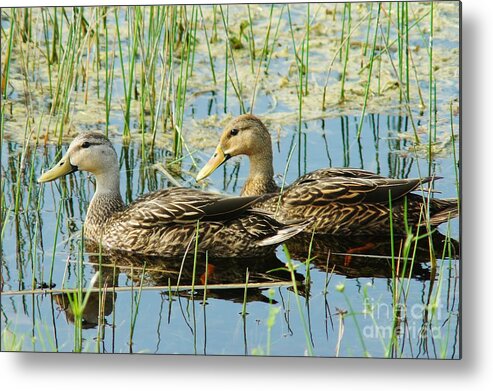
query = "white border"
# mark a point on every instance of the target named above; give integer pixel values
(80, 372)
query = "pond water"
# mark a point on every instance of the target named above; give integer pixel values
(332, 297)
(179, 322)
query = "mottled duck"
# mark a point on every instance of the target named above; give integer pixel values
(165, 222)
(341, 201)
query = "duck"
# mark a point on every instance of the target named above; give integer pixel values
(166, 222)
(339, 201)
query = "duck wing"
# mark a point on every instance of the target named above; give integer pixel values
(327, 173)
(351, 191)
(182, 206)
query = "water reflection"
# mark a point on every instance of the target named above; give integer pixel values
(356, 257)
(186, 277)
(226, 279)
(92, 310)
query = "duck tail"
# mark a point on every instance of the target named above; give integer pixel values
(443, 210)
(288, 230)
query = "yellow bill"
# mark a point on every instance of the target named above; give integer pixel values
(214, 162)
(62, 168)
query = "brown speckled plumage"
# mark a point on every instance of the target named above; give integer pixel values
(340, 201)
(166, 222)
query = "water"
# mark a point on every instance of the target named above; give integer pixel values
(328, 313)
(180, 323)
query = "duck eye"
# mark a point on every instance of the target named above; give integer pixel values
(234, 132)
(85, 144)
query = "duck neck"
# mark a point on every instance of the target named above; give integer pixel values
(105, 202)
(261, 177)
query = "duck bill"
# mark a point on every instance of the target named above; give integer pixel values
(62, 168)
(214, 162)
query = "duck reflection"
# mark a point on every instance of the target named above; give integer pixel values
(369, 256)
(92, 310)
(225, 278)
(175, 277)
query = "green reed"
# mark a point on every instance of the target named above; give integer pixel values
(148, 45)
(405, 58)
(245, 295)
(7, 58)
(192, 290)
(78, 300)
(45, 15)
(400, 49)
(340, 331)
(33, 244)
(368, 310)
(341, 45)
(405, 25)
(11, 340)
(70, 67)
(127, 83)
(251, 38)
(207, 40)
(4, 210)
(20, 169)
(456, 161)
(101, 298)
(291, 269)
(447, 252)
(181, 87)
(230, 57)
(308, 260)
(195, 255)
(343, 30)
(347, 9)
(55, 242)
(399, 83)
(262, 59)
(109, 72)
(365, 47)
(283, 184)
(368, 82)
(270, 321)
(302, 67)
(194, 38)
(97, 58)
(226, 60)
(431, 94)
(306, 47)
(350, 312)
(135, 305)
(168, 63)
(276, 37)
(402, 266)
(159, 110)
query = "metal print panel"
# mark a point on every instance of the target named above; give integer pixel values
(244, 179)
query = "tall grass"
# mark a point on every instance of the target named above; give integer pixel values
(7, 58)
(347, 11)
(367, 89)
(229, 57)
(431, 91)
(291, 269)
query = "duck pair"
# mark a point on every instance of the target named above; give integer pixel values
(167, 222)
